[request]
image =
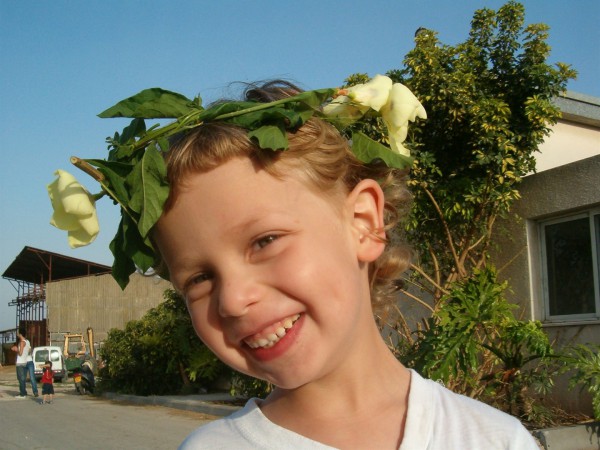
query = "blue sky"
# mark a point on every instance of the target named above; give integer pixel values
(63, 62)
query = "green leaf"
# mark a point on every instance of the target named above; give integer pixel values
(139, 250)
(367, 150)
(275, 116)
(270, 137)
(121, 152)
(314, 99)
(137, 127)
(115, 173)
(123, 265)
(296, 110)
(224, 109)
(149, 188)
(130, 251)
(154, 103)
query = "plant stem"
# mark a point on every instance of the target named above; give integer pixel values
(100, 178)
(87, 168)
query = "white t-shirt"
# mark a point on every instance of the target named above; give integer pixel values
(24, 357)
(436, 419)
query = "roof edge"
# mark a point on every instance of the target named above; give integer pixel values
(579, 108)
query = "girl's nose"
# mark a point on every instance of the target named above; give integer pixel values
(237, 295)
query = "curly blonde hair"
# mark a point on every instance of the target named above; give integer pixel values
(325, 161)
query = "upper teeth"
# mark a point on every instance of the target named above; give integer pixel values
(274, 335)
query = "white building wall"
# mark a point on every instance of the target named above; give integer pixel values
(569, 142)
(567, 181)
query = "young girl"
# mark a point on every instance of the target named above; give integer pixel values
(281, 257)
(47, 383)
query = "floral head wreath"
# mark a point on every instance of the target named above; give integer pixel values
(134, 173)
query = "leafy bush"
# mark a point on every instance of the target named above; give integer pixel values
(475, 346)
(583, 362)
(246, 386)
(158, 354)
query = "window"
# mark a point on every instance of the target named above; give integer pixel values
(41, 356)
(570, 254)
(54, 355)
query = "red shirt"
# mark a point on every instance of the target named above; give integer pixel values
(47, 376)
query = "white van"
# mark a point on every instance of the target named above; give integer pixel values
(55, 356)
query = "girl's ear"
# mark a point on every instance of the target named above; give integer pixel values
(366, 203)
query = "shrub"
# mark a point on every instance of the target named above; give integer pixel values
(158, 354)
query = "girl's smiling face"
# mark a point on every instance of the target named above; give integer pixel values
(274, 275)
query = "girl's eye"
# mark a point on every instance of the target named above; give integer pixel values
(201, 278)
(197, 287)
(266, 240)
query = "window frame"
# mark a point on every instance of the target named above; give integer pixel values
(593, 215)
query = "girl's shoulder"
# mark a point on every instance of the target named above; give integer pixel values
(440, 418)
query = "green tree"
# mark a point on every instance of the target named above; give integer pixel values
(158, 354)
(489, 106)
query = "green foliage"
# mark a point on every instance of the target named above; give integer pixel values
(475, 345)
(246, 386)
(366, 150)
(204, 366)
(489, 107)
(158, 354)
(155, 103)
(583, 363)
(134, 173)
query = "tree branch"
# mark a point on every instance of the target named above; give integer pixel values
(446, 231)
(428, 278)
(417, 299)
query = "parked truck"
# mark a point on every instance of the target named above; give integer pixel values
(54, 355)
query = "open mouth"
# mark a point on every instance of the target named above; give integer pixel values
(273, 334)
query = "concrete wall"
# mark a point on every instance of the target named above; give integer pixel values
(98, 302)
(559, 191)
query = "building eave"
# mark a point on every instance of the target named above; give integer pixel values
(579, 108)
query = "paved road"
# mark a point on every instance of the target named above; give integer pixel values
(84, 422)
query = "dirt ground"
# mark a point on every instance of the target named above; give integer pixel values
(8, 379)
(8, 373)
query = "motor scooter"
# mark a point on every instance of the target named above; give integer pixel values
(84, 379)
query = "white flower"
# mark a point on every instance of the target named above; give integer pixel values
(358, 99)
(394, 101)
(344, 111)
(373, 94)
(402, 106)
(74, 209)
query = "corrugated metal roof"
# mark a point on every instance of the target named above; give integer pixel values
(40, 266)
